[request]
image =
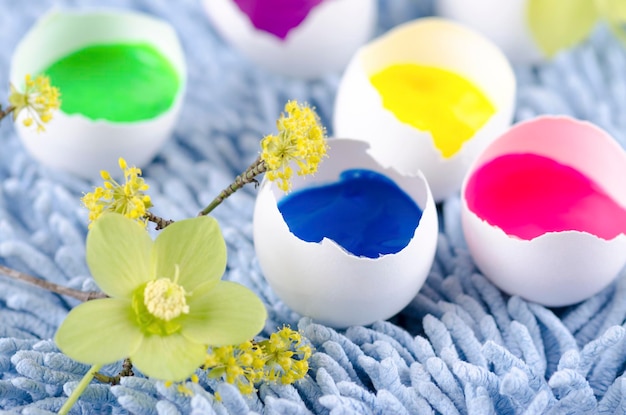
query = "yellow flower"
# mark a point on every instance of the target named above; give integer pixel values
(240, 365)
(301, 138)
(166, 301)
(39, 99)
(287, 356)
(128, 199)
(284, 358)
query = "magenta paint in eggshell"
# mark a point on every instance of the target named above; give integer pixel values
(527, 195)
(277, 17)
(551, 174)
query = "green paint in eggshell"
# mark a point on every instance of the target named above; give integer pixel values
(119, 82)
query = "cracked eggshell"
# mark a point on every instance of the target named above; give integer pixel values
(359, 111)
(557, 268)
(75, 143)
(323, 43)
(509, 31)
(322, 280)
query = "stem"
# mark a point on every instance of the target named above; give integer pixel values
(160, 222)
(244, 178)
(6, 112)
(80, 388)
(50, 286)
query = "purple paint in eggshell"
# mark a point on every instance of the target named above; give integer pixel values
(277, 17)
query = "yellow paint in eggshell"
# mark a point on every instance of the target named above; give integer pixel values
(432, 99)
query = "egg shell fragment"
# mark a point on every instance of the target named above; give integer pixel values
(323, 43)
(75, 143)
(509, 31)
(359, 110)
(322, 280)
(556, 268)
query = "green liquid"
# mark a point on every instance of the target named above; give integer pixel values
(120, 82)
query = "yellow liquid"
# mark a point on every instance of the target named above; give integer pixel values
(432, 99)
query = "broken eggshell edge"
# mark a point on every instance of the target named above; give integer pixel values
(322, 280)
(323, 43)
(75, 143)
(431, 41)
(557, 268)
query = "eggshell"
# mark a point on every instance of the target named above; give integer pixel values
(509, 31)
(359, 111)
(322, 43)
(75, 143)
(324, 281)
(556, 268)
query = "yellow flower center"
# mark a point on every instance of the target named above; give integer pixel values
(165, 299)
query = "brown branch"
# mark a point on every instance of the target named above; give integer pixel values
(6, 112)
(127, 370)
(160, 222)
(248, 176)
(50, 286)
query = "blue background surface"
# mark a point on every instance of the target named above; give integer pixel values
(461, 347)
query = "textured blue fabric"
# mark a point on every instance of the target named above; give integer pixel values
(461, 347)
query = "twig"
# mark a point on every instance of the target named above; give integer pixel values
(6, 112)
(248, 176)
(127, 370)
(160, 222)
(50, 286)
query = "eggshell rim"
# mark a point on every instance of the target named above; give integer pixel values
(407, 136)
(176, 56)
(337, 259)
(493, 151)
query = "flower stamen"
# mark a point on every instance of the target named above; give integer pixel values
(165, 299)
(128, 198)
(38, 101)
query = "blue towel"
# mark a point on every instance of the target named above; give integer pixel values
(461, 347)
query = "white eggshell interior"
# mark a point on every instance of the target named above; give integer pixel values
(75, 143)
(324, 281)
(509, 31)
(556, 268)
(438, 42)
(324, 42)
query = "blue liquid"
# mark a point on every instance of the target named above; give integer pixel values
(365, 212)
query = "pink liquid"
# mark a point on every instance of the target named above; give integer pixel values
(527, 195)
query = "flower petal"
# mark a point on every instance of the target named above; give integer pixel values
(229, 313)
(99, 332)
(558, 24)
(196, 246)
(118, 254)
(172, 357)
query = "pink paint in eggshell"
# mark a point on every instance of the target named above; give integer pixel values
(277, 17)
(527, 195)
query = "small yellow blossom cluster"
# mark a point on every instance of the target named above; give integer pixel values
(288, 356)
(282, 358)
(39, 99)
(128, 198)
(240, 365)
(300, 138)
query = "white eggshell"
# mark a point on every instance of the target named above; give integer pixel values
(324, 281)
(556, 268)
(75, 143)
(509, 30)
(359, 111)
(322, 43)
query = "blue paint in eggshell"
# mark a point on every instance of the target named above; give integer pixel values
(364, 212)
